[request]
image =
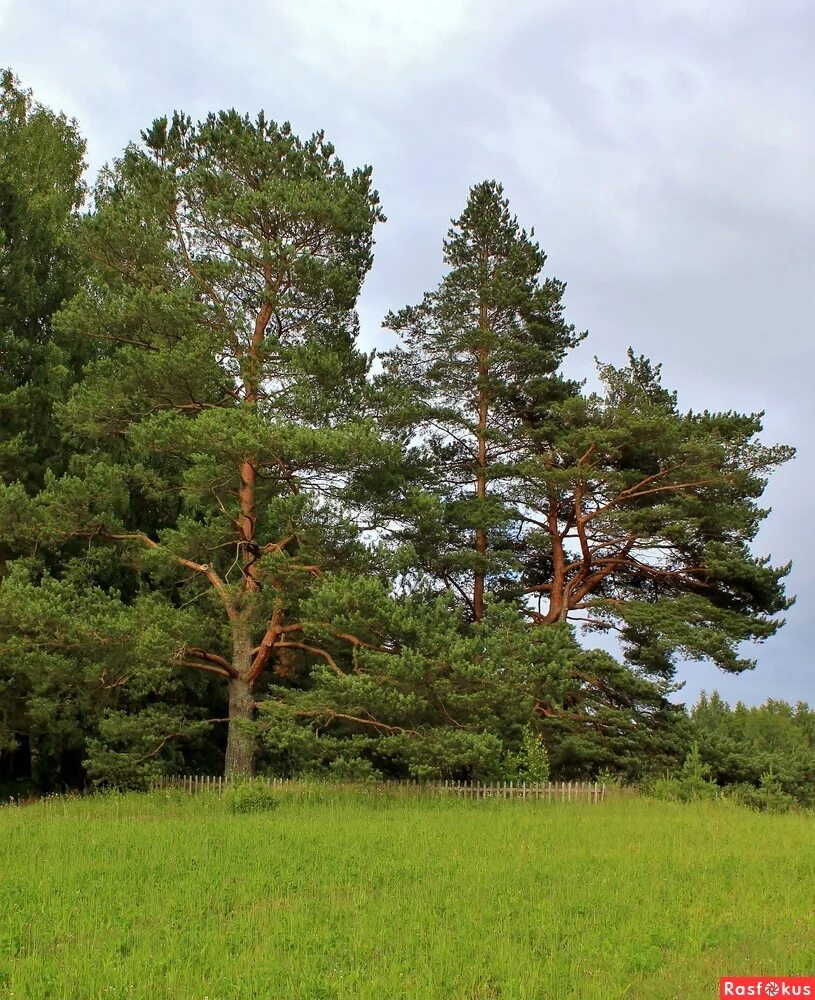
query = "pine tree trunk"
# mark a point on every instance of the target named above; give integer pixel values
(481, 469)
(241, 743)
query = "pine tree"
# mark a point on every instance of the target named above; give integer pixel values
(614, 508)
(429, 693)
(493, 322)
(227, 258)
(638, 518)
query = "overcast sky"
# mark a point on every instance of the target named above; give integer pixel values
(664, 151)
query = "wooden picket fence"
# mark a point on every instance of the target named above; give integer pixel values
(558, 791)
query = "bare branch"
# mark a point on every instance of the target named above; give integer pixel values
(329, 659)
(206, 568)
(206, 667)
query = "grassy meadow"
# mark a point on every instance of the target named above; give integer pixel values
(361, 895)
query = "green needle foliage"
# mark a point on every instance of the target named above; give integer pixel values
(769, 749)
(232, 541)
(639, 518)
(226, 258)
(430, 694)
(614, 507)
(41, 161)
(493, 323)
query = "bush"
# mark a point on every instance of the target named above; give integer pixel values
(691, 784)
(531, 764)
(251, 797)
(768, 797)
(613, 779)
(355, 769)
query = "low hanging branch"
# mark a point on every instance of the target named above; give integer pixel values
(331, 715)
(204, 568)
(324, 654)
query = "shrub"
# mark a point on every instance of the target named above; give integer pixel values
(611, 778)
(251, 797)
(352, 769)
(531, 763)
(768, 797)
(690, 785)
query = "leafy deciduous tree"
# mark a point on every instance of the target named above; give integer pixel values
(41, 164)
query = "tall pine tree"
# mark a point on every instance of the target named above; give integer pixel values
(227, 257)
(613, 508)
(493, 321)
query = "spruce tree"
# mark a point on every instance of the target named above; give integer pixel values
(41, 163)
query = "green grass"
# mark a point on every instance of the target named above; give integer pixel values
(343, 895)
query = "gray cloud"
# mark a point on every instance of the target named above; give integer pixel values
(663, 150)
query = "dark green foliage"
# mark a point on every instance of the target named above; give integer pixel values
(531, 763)
(691, 784)
(493, 323)
(766, 753)
(430, 694)
(762, 757)
(221, 430)
(768, 797)
(251, 797)
(613, 507)
(41, 163)
(233, 542)
(661, 508)
(95, 679)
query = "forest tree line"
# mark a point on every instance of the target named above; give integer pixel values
(231, 539)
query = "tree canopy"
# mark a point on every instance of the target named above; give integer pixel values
(234, 541)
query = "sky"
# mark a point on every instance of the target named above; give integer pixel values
(663, 151)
